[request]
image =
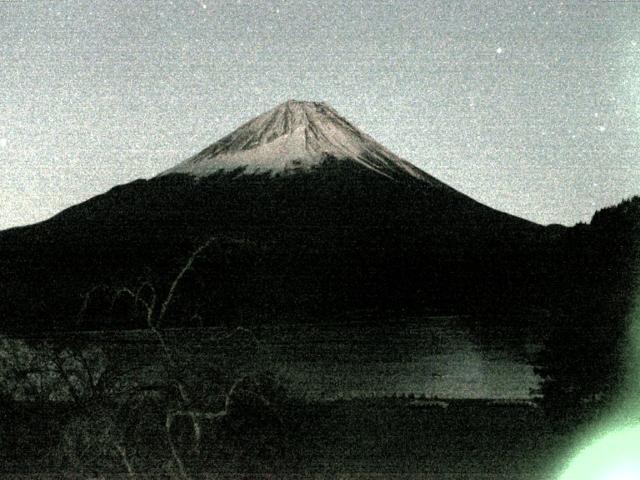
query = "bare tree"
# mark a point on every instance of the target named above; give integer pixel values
(40, 371)
(179, 391)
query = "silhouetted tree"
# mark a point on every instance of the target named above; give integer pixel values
(583, 363)
(133, 418)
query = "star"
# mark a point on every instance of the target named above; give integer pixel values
(499, 50)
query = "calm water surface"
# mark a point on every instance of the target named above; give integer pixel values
(435, 356)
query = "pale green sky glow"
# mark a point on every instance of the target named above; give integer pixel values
(613, 456)
(528, 106)
(612, 451)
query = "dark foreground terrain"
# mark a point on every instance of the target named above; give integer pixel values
(463, 440)
(382, 438)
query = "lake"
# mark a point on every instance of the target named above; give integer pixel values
(433, 356)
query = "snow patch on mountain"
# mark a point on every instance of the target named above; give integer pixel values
(294, 137)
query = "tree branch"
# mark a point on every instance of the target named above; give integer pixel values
(176, 281)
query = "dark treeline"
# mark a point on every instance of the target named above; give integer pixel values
(584, 363)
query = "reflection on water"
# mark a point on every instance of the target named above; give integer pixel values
(436, 357)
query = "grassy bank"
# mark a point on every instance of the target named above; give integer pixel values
(443, 440)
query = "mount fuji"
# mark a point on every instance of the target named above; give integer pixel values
(295, 137)
(314, 219)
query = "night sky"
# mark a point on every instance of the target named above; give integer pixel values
(529, 107)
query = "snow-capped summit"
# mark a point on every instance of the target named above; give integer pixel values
(293, 137)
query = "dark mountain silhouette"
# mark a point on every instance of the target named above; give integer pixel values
(312, 217)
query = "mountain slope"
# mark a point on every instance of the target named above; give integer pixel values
(329, 221)
(293, 137)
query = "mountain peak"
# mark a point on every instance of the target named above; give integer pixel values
(291, 115)
(307, 103)
(294, 137)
